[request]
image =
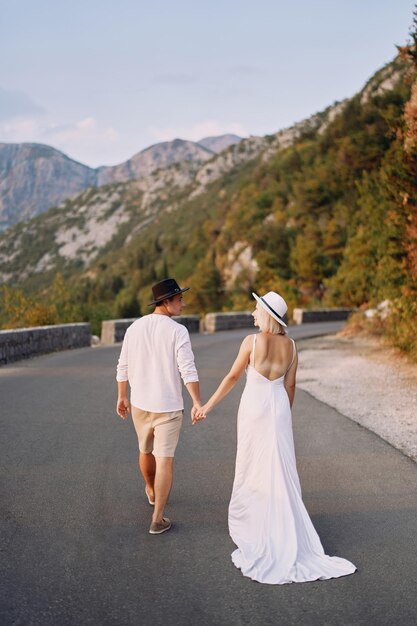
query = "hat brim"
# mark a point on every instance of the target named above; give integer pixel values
(263, 305)
(168, 295)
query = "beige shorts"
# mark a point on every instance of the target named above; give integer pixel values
(157, 432)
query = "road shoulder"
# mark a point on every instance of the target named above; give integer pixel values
(365, 381)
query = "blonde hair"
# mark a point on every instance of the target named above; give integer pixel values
(269, 324)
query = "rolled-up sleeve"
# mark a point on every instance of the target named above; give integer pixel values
(185, 357)
(122, 369)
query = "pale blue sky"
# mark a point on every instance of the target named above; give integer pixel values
(103, 79)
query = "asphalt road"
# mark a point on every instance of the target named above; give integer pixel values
(75, 547)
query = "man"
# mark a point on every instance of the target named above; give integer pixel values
(155, 355)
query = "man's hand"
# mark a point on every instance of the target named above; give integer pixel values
(201, 413)
(194, 412)
(123, 408)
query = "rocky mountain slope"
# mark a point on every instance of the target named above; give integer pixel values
(35, 177)
(217, 144)
(76, 233)
(280, 206)
(155, 157)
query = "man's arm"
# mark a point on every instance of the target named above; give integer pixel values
(194, 391)
(123, 405)
(187, 368)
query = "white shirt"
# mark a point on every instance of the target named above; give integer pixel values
(156, 353)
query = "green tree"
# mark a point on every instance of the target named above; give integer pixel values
(207, 293)
(126, 304)
(371, 267)
(307, 261)
(400, 177)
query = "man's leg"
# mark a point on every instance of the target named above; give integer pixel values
(142, 421)
(166, 432)
(147, 467)
(163, 483)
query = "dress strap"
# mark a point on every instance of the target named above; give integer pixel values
(253, 351)
(293, 354)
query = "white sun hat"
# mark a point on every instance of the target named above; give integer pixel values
(274, 304)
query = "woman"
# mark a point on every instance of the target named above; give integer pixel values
(276, 540)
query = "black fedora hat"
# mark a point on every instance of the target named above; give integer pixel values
(165, 289)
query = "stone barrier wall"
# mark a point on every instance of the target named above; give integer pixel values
(24, 343)
(191, 322)
(227, 321)
(113, 331)
(304, 316)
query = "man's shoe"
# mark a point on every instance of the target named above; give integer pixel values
(160, 527)
(151, 502)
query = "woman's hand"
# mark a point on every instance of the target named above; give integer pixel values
(201, 413)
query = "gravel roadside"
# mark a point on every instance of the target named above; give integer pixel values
(366, 381)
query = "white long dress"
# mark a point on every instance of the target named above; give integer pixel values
(276, 540)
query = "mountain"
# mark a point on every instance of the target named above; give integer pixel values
(217, 144)
(155, 157)
(35, 177)
(77, 233)
(310, 211)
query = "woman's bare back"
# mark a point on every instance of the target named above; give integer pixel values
(273, 355)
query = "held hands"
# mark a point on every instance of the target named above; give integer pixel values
(200, 413)
(196, 408)
(123, 408)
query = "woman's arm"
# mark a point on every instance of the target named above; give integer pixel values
(230, 380)
(289, 381)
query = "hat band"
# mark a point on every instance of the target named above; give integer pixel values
(271, 309)
(169, 294)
